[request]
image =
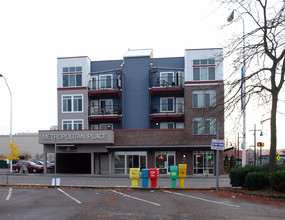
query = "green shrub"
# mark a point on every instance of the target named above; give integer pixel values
(277, 180)
(280, 167)
(237, 175)
(256, 181)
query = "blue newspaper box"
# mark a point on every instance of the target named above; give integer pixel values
(144, 176)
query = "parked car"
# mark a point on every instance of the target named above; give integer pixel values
(49, 165)
(31, 166)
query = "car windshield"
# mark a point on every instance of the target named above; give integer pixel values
(32, 163)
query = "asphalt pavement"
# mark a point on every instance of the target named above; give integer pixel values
(87, 180)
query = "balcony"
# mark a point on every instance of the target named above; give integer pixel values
(173, 84)
(106, 86)
(167, 111)
(106, 113)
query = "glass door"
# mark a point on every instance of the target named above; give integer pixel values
(163, 161)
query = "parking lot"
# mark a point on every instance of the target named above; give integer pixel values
(77, 203)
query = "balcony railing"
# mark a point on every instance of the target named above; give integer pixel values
(107, 110)
(168, 109)
(166, 82)
(96, 84)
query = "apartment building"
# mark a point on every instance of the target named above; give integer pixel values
(139, 111)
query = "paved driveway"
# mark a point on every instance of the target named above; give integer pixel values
(71, 203)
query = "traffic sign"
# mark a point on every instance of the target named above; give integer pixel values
(278, 157)
(217, 144)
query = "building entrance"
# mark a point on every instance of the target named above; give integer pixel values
(73, 163)
(163, 161)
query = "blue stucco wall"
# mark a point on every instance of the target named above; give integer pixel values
(135, 94)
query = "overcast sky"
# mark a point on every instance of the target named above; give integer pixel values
(35, 32)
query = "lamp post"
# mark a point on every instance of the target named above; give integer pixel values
(10, 115)
(243, 90)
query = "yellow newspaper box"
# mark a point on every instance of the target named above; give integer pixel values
(135, 175)
(182, 170)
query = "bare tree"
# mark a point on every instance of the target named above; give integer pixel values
(262, 56)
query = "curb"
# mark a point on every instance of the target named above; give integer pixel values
(103, 187)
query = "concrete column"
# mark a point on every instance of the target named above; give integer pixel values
(110, 163)
(92, 163)
(45, 163)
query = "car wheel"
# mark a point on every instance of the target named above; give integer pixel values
(34, 170)
(17, 170)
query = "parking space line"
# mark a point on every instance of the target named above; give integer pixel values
(9, 194)
(69, 196)
(206, 200)
(132, 197)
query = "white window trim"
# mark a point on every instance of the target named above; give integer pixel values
(173, 103)
(106, 125)
(161, 78)
(167, 123)
(96, 83)
(72, 100)
(203, 120)
(203, 93)
(177, 103)
(69, 74)
(100, 76)
(72, 123)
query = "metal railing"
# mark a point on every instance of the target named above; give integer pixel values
(105, 110)
(104, 84)
(163, 82)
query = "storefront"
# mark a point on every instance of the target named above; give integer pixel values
(96, 152)
(79, 151)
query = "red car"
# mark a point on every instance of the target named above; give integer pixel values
(31, 166)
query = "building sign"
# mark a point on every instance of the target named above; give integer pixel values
(76, 137)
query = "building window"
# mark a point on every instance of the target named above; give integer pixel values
(72, 125)
(203, 162)
(204, 69)
(126, 160)
(72, 103)
(72, 80)
(105, 81)
(72, 69)
(204, 126)
(167, 125)
(179, 125)
(204, 98)
(166, 104)
(106, 126)
(102, 126)
(167, 78)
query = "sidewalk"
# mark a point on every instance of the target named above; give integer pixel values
(87, 180)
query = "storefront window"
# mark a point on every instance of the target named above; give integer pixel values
(126, 160)
(119, 164)
(203, 162)
(163, 161)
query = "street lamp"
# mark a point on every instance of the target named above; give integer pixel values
(10, 115)
(243, 90)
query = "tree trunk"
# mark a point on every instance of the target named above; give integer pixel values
(272, 156)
